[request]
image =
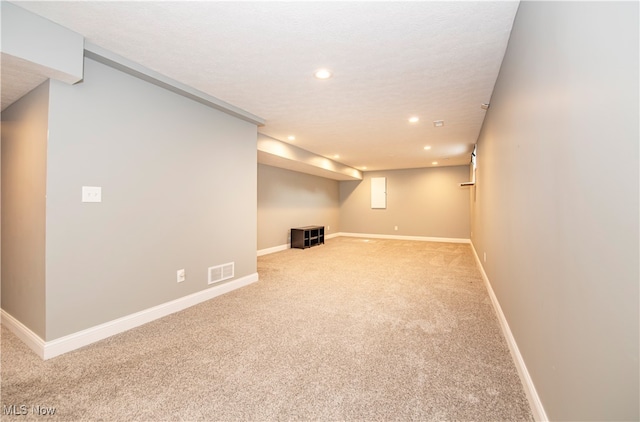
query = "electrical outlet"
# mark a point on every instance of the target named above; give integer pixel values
(180, 275)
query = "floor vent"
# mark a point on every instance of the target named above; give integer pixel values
(220, 272)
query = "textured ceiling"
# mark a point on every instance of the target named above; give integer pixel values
(390, 61)
(18, 77)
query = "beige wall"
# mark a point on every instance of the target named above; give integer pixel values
(425, 202)
(24, 159)
(556, 205)
(289, 199)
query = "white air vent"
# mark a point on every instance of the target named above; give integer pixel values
(221, 272)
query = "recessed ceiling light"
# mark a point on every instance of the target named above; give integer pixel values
(438, 123)
(363, 167)
(322, 74)
(291, 138)
(336, 156)
(435, 163)
(427, 147)
(414, 119)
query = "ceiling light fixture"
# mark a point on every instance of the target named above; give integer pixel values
(322, 74)
(435, 163)
(438, 123)
(414, 119)
(336, 156)
(291, 138)
(427, 148)
(363, 167)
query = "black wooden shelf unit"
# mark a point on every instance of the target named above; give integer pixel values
(306, 237)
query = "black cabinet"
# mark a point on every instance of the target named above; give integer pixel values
(306, 237)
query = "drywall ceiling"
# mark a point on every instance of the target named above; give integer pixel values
(390, 61)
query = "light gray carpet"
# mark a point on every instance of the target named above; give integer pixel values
(351, 330)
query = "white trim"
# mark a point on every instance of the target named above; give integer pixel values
(418, 238)
(280, 248)
(529, 388)
(50, 349)
(28, 337)
(274, 249)
(284, 247)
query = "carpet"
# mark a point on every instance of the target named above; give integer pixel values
(352, 330)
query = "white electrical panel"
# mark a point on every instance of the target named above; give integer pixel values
(378, 192)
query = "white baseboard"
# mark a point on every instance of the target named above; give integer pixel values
(28, 337)
(418, 238)
(273, 249)
(537, 409)
(50, 349)
(279, 248)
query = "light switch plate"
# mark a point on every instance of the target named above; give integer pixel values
(91, 194)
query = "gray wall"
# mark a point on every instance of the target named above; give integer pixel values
(289, 199)
(34, 39)
(556, 204)
(178, 187)
(424, 202)
(24, 158)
